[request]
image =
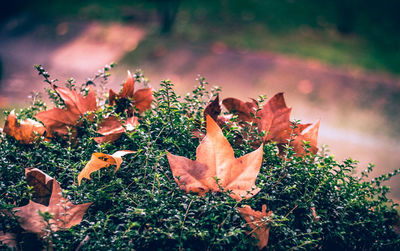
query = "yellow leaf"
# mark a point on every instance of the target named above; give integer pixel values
(101, 160)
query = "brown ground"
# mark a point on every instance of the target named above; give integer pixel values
(357, 109)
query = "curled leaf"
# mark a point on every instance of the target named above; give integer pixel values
(258, 221)
(26, 131)
(244, 110)
(101, 160)
(42, 185)
(215, 158)
(112, 129)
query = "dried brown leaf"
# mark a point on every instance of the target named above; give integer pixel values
(112, 129)
(64, 213)
(213, 109)
(8, 239)
(244, 110)
(42, 185)
(258, 221)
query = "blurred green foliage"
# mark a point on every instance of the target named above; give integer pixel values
(345, 32)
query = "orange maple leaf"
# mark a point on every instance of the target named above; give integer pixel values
(215, 159)
(101, 160)
(141, 98)
(59, 120)
(26, 131)
(258, 221)
(112, 129)
(64, 213)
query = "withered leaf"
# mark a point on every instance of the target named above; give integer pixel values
(274, 119)
(101, 160)
(26, 131)
(258, 221)
(57, 121)
(215, 158)
(42, 185)
(213, 109)
(141, 98)
(112, 129)
(308, 133)
(64, 213)
(314, 214)
(8, 239)
(242, 109)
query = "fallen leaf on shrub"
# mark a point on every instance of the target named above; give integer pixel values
(42, 185)
(64, 213)
(213, 109)
(215, 158)
(141, 98)
(101, 160)
(244, 110)
(274, 119)
(314, 214)
(112, 129)
(310, 134)
(26, 131)
(8, 239)
(258, 222)
(57, 120)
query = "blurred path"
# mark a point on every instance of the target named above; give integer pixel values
(67, 49)
(354, 107)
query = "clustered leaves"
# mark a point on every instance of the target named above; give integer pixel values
(284, 195)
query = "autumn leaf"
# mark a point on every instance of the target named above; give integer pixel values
(112, 129)
(244, 110)
(258, 221)
(314, 214)
(274, 119)
(42, 185)
(57, 120)
(308, 133)
(64, 213)
(141, 98)
(215, 158)
(8, 239)
(101, 160)
(26, 131)
(213, 109)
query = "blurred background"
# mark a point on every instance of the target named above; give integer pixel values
(337, 61)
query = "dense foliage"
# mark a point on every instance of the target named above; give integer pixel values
(316, 202)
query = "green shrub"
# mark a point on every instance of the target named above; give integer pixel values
(141, 207)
